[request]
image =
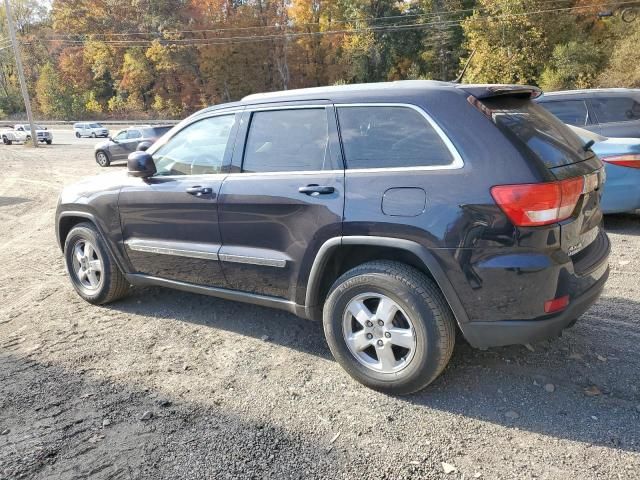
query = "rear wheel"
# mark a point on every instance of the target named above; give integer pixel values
(389, 326)
(93, 273)
(5, 140)
(93, 135)
(102, 159)
(77, 134)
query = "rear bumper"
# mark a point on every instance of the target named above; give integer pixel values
(512, 332)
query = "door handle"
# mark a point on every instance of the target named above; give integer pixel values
(315, 190)
(199, 191)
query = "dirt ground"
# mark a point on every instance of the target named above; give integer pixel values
(171, 385)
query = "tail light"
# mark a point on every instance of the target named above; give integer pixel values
(535, 204)
(556, 304)
(631, 161)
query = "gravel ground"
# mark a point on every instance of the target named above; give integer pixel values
(171, 385)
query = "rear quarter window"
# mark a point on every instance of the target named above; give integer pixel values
(616, 109)
(535, 132)
(390, 137)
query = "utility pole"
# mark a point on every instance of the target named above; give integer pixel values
(23, 83)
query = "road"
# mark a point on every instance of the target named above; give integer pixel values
(170, 385)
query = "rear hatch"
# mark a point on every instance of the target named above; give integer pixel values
(559, 154)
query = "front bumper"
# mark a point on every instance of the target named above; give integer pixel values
(513, 332)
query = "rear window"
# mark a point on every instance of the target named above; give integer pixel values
(390, 137)
(535, 132)
(616, 109)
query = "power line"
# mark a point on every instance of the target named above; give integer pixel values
(351, 20)
(295, 35)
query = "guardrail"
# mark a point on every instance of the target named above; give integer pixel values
(11, 123)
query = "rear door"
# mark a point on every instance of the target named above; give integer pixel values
(618, 116)
(170, 221)
(283, 199)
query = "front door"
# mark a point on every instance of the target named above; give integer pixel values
(170, 221)
(282, 201)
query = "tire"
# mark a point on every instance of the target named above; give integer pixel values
(110, 284)
(49, 142)
(93, 135)
(102, 158)
(77, 134)
(6, 141)
(423, 322)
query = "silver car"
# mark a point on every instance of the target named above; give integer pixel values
(88, 129)
(126, 141)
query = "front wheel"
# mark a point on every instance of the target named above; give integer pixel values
(93, 273)
(49, 142)
(93, 135)
(102, 159)
(77, 134)
(389, 326)
(6, 141)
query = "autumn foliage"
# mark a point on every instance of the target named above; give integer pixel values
(167, 58)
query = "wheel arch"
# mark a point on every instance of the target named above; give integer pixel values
(340, 254)
(66, 220)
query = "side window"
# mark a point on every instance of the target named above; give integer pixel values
(197, 149)
(122, 135)
(390, 137)
(287, 140)
(131, 134)
(573, 112)
(616, 109)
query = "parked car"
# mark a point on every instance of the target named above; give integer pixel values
(21, 133)
(89, 129)
(621, 157)
(11, 135)
(126, 141)
(612, 112)
(44, 135)
(395, 212)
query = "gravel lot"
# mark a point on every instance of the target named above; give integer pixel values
(171, 385)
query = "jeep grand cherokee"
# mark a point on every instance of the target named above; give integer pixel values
(395, 212)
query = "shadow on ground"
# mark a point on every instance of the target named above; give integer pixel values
(59, 423)
(622, 223)
(601, 351)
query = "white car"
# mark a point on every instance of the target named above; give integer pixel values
(43, 135)
(90, 129)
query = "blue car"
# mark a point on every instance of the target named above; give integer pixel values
(621, 157)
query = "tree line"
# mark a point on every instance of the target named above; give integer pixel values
(168, 58)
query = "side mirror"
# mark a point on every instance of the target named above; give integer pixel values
(140, 164)
(144, 146)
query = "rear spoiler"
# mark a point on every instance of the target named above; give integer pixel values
(481, 91)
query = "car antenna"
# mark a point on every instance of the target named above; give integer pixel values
(466, 65)
(587, 146)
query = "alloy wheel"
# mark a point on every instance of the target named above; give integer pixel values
(102, 159)
(378, 333)
(87, 265)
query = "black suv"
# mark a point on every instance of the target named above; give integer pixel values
(395, 212)
(612, 112)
